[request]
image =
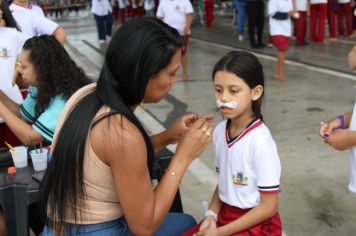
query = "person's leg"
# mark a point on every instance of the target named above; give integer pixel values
(348, 15)
(332, 19)
(340, 20)
(241, 17)
(175, 224)
(184, 58)
(298, 30)
(280, 66)
(322, 16)
(108, 25)
(100, 25)
(304, 16)
(260, 22)
(313, 14)
(251, 22)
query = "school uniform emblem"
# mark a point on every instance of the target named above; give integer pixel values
(4, 52)
(240, 179)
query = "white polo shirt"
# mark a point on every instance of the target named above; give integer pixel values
(31, 23)
(352, 155)
(11, 42)
(302, 5)
(343, 1)
(247, 164)
(101, 7)
(173, 12)
(34, 8)
(280, 27)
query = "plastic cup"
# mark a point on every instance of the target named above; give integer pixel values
(19, 156)
(39, 159)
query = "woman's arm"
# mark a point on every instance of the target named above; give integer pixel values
(265, 210)
(18, 126)
(122, 147)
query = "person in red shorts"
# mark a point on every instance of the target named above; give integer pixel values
(280, 13)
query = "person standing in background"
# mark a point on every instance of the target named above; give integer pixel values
(179, 15)
(149, 6)
(33, 23)
(102, 11)
(318, 11)
(255, 10)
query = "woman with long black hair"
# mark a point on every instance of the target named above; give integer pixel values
(98, 181)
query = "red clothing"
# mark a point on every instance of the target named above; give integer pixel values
(317, 18)
(281, 42)
(332, 13)
(300, 27)
(227, 214)
(209, 12)
(7, 135)
(345, 12)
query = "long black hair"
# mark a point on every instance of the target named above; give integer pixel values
(139, 50)
(7, 16)
(246, 66)
(57, 73)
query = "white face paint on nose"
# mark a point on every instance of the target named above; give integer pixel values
(230, 104)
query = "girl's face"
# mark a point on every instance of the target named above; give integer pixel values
(159, 85)
(231, 88)
(27, 70)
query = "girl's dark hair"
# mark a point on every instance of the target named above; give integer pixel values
(57, 73)
(7, 15)
(247, 67)
(140, 49)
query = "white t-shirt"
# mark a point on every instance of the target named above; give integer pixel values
(280, 27)
(247, 164)
(352, 155)
(318, 1)
(33, 8)
(101, 7)
(11, 42)
(302, 5)
(121, 4)
(31, 23)
(173, 12)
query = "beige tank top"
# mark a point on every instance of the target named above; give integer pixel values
(101, 202)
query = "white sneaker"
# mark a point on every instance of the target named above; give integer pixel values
(241, 37)
(108, 38)
(101, 41)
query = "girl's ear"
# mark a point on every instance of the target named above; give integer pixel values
(257, 92)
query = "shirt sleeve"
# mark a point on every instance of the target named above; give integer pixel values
(189, 8)
(43, 25)
(268, 167)
(47, 121)
(27, 108)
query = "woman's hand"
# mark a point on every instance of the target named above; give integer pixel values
(208, 223)
(182, 124)
(195, 140)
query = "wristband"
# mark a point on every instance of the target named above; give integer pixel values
(211, 213)
(342, 122)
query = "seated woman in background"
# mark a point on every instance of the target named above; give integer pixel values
(53, 77)
(98, 180)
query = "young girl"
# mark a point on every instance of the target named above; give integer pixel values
(280, 13)
(245, 201)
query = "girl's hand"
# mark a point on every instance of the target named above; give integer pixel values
(195, 140)
(339, 139)
(327, 128)
(208, 223)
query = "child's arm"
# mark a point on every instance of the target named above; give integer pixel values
(340, 122)
(341, 139)
(265, 210)
(209, 221)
